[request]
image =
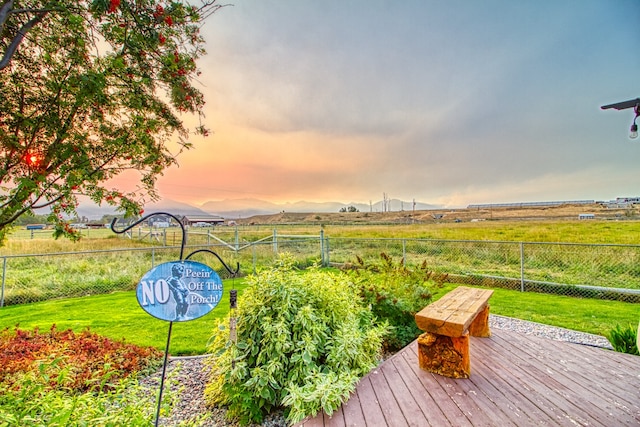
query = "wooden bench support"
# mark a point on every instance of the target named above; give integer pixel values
(448, 322)
(480, 326)
(448, 356)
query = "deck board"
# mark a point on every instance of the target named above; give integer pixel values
(570, 381)
(353, 415)
(369, 402)
(432, 412)
(387, 399)
(410, 408)
(516, 380)
(436, 391)
(334, 420)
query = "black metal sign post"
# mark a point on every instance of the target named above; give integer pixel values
(179, 291)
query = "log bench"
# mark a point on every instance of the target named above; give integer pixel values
(448, 322)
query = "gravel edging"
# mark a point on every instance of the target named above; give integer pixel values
(189, 380)
(547, 331)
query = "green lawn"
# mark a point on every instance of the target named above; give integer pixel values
(118, 316)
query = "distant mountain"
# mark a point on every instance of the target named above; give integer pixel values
(173, 207)
(236, 208)
(92, 211)
(243, 208)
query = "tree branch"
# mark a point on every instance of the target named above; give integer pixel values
(4, 13)
(8, 54)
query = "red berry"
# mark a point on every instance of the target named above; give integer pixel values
(113, 5)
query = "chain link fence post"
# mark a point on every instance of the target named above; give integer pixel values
(404, 252)
(275, 241)
(322, 260)
(326, 247)
(255, 257)
(521, 267)
(4, 273)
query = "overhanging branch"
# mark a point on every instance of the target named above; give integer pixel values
(4, 12)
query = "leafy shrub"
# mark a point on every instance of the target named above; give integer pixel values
(85, 358)
(43, 399)
(303, 341)
(395, 294)
(67, 379)
(624, 340)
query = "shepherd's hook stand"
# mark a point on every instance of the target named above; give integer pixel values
(183, 244)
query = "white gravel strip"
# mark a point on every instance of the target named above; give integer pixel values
(546, 331)
(192, 375)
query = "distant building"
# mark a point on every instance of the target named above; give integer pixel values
(531, 204)
(36, 227)
(627, 199)
(192, 220)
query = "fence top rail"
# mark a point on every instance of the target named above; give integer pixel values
(299, 236)
(511, 242)
(98, 251)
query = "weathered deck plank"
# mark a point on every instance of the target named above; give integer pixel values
(335, 420)
(352, 410)
(387, 399)
(516, 379)
(432, 412)
(369, 403)
(408, 405)
(566, 373)
(435, 390)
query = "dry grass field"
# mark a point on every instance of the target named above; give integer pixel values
(563, 212)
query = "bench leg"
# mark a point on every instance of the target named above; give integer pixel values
(447, 356)
(480, 325)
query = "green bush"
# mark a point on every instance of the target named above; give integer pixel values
(303, 341)
(624, 340)
(395, 294)
(43, 399)
(62, 378)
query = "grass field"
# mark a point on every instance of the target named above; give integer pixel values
(117, 314)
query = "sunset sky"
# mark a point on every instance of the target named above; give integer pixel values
(445, 102)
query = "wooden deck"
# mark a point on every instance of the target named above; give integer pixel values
(516, 380)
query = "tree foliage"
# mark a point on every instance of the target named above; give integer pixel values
(88, 90)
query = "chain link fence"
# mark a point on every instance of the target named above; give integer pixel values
(579, 270)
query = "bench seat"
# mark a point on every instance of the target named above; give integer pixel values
(448, 322)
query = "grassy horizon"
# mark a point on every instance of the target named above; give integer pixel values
(118, 316)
